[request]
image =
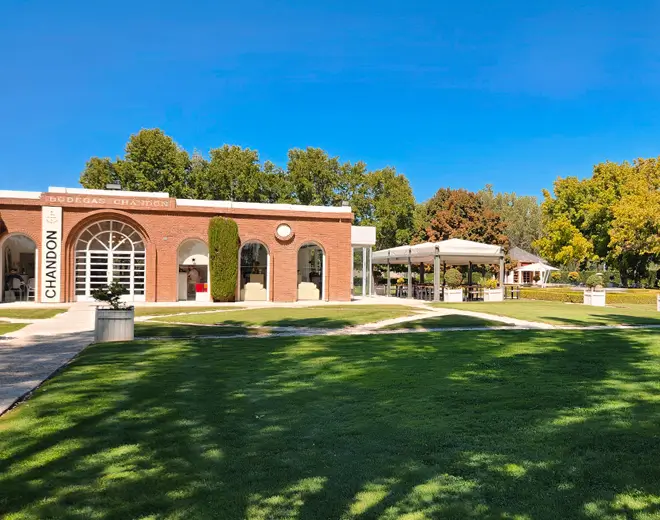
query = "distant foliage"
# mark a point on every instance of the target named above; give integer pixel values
(223, 258)
(574, 277)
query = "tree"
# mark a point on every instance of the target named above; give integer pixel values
(390, 206)
(461, 214)
(521, 215)
(563, 244)
(152, 162)
(233, 173)
(314, 176)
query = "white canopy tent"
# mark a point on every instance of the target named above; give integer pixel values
(544, 271)
(453, 252)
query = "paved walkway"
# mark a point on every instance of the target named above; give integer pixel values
(30, 355)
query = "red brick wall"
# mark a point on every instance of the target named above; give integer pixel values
(164, 229)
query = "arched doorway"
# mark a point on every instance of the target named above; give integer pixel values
(193, 276)
(254, 277)
(18, 268)
(110, 251)
(311, 272)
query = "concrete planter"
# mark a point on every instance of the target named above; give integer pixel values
(494, 295)
(114, 325)
(454, 295)
(594, 298)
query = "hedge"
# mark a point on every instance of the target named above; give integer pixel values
(223, 258)
(577, 296)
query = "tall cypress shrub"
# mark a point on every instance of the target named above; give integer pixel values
(223, 258)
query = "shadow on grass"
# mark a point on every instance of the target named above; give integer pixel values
(602, 319)
(560, 424)
(148, 329)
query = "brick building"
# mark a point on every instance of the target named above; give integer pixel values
(60, 245)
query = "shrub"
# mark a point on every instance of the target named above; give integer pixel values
(536, 278)
(111, 294)
(555, 276)
(453, 278)
(223, 258)
(477, 278)
(574, 277)
(491, 283)
(552, 296)
(595, 281)
(400, 281)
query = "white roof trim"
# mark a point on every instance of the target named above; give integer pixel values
(116, 193)
(226, 204)
(12, 194)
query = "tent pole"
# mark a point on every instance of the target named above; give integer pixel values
(421, 272)
(436, 277)
(410, 281)
(502, 272)
(389, 281)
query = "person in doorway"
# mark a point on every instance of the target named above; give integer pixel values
(13, 275)
(193, 279)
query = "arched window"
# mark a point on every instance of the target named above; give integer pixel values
(18, 268)
(110, 251)
(254, 276)
(311, 272)
(193, 277)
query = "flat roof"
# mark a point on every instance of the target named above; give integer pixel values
(73, 196)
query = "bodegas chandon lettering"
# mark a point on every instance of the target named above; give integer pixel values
(139, 203)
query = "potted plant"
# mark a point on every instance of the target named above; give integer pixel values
(594, 294)
(453, 280)
(493, 293)
(537, 278)
(116, 322)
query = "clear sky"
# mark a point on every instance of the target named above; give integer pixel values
(458, 94)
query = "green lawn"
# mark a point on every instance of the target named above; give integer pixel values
(454, 425)
(165, 311)
(6, 328)
(445, 322)
(558, 313)
(32, 314)
(147, 329)
(327, 316)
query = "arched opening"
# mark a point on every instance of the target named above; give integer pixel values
(110, 251)
(193, 276)
(254, 276)
(18, 267)
(311, 272)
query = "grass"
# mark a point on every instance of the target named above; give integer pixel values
(32, 314)
(441, 322)
(453, 425)
(6, 328)
(327, 316)
(147, 329)
(558, 313)
(165, 311)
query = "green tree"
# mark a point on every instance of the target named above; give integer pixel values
(314, 176)
(390, 206)
(98, 173)
(521, 215)
(152, 162)
(233, 173)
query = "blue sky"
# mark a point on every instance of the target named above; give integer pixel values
(456, 94)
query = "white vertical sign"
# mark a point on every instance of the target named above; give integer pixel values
(51, 253)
